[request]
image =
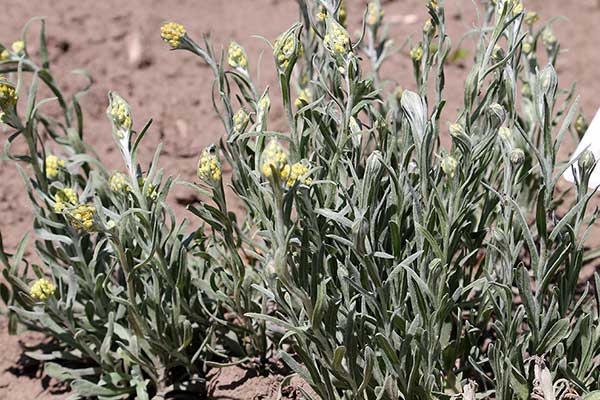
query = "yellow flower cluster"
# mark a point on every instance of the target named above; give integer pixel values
(53, 165)
(150, 190)
(237, 56)
(64, 198)
(264, 103)
(374, 14)
(4, 55)
(42, 289)
(528, 45)
(82, 217)
(416, 53)
(209, 165)
(449, 165)
(303, 98)
(274, 157)
(531, 18)
(172, 33)
(295, 172)
(342, 13)
(8, 93)
(515, 5)
(548, 37)
(428, 27)
(118, 182)
(284, 49)
(322, 14)
(456, 130)
(18, 46)
(337, 39)
(119, 113)
(240, 120)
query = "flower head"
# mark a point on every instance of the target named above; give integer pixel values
(264, 103)
(517, 157)
(4, 55)
(548, 38)
(240, 120)
(303, 98)
(236, 56)
(337, 39)
(8, 93)
(42, 289)
(287, 48)
(515, 5)
(172, 33)
(274, 158)
(64, 198)
(528, 45)
(416, 53)
(429, 27)
(119, 114)
(456, 130)
(374, 14)
(209, 165)
(18, 46)
(449, 165)
(531, 18)
(53, 165)
(118, 182)
(322, 14)
(296, 172)
(82, 217)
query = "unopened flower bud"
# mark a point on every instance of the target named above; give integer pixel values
(236, 56)
(586, 160)
(449, 165)
(517, 157)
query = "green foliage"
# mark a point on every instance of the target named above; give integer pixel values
(375, 261)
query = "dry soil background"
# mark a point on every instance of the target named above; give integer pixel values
(118, 43)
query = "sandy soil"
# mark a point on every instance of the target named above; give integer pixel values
(119, 44)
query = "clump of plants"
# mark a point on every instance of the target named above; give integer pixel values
(375, 258)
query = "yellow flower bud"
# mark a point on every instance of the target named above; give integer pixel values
(82, 217)
(8, 94)
(296, 172)
(119, 114)
(172, 33)
(236, 56)
(531, 18)
(287, 49)
(449, 165)
(209, 165)
(336, 39)
(374, 14)
(42, 289)
(18, 46)
(53, 165)
(274, 157)
(303, 98)
(416, 53)
(240, 120)
(64, 198)
(118, 182)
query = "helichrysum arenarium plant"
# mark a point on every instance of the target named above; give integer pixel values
(375, 261)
